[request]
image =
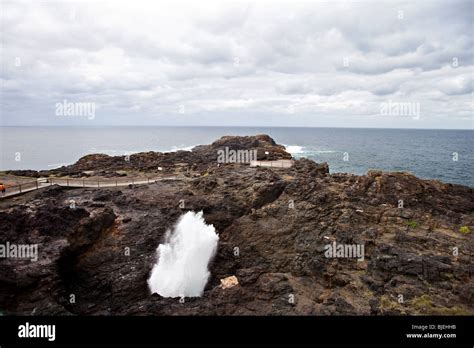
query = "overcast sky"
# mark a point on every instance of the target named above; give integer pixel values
(259, 63)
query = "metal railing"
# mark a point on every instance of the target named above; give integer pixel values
(26, 186)
(12, 190)
(72, 182)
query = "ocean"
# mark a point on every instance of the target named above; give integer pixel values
(446, 155)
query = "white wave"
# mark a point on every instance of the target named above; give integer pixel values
(111, 152)
(325, 151)
(298, 151)
(185, 148)
(182, 266)
(57, 165)
(294, 149)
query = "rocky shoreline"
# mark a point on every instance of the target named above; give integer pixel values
(273, 223)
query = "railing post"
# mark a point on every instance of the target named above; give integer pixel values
(83, 183)
(116, 184)
(148, 180)
(67, 181)
(98, 183)
(20, 188)
(36, 184)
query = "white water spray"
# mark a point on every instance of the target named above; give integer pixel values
(181, 269)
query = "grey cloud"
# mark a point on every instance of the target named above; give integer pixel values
(243, 61)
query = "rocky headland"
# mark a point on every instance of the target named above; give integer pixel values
(273, 225)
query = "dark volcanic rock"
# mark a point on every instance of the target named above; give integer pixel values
(261, 143)
(273, 225)
(201, 158)
(28, 173)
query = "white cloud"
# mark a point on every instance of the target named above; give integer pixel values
(237, 62)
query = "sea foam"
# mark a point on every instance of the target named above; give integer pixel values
(294, 149)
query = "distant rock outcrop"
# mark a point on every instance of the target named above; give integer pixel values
(198, 159)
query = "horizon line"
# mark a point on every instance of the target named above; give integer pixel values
(225, 126)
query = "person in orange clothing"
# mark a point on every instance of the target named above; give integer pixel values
(2, 188)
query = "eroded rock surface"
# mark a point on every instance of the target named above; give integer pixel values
(273, 226)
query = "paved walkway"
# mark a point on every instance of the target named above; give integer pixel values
(272, 164)
(46, 182)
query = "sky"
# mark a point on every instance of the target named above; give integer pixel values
(394, 64)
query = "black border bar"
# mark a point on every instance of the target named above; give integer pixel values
(312, 330)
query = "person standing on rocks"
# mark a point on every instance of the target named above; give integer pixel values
(2, 188)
